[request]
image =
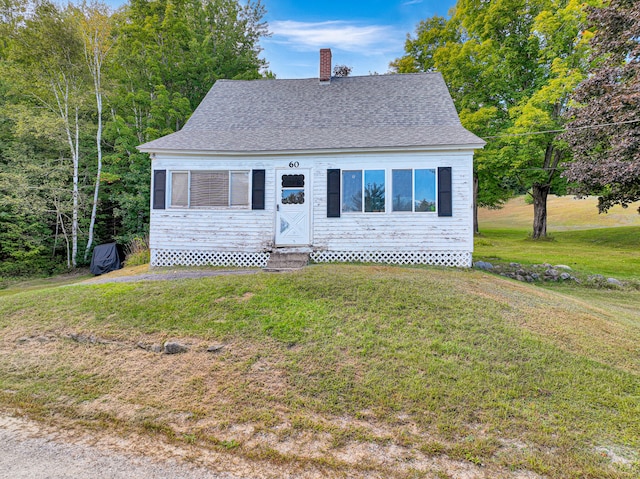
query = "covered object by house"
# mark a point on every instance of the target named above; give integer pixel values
(372, 168)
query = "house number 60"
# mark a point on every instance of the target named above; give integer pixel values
(293, 164)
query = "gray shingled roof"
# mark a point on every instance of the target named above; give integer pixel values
(377, 111)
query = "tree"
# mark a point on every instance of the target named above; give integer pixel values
(94, 26)
(48, 50)
(510, 66)
(604, 124)
(341, 71)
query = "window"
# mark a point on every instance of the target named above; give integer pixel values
(292, 187)
(209, 188)
(363, 189)
(414, 190)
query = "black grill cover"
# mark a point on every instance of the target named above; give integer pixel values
(106, 257)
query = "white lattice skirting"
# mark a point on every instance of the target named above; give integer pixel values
(259, 260)
(208, 258)
(442, 258)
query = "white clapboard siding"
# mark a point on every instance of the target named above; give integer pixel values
(246, 230)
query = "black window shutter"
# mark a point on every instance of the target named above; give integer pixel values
(159, 189)
(333, 193)
(257, 189)
(445, 207)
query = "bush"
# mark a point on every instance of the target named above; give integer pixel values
(137, 251)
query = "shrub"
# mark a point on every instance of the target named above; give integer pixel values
(137, 251)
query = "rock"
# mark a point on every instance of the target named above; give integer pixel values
(23, 339)
(173, 347)
(563, 266)
(514, 265)
(519, 277)
(551, 274)
(614, 281)
(156, 348)
(216, 348)
(483, 265)
(528, 278)
(535, 276)
(594, 278)
(565, 276)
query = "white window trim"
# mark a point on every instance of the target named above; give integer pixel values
(413, 192)
(362, 211)
(201, 208)
(388, 188)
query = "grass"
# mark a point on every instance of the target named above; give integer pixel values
(422, 363)
(564, 213)
(578, 237)
(356, 370)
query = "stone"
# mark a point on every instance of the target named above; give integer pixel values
(563, 266)
(595, 278)
(156, 348)
(614, 281)
(483, 265)
(565, 276)
(173, 347)
(535, 276)
(520, 277)
(216, 348)
(514, 265)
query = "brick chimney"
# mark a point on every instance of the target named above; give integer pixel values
(325, 65)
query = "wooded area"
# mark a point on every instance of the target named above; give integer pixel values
(81, 86)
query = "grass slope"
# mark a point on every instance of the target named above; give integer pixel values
(563, 213)
(357, 371)
(579, 237)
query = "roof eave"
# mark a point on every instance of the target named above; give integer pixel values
(318, 151)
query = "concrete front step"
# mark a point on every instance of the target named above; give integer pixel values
(287, 261)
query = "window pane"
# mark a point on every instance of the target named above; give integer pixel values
(179, 189)
(401, 184)
(240, 188)
(425, 198)
(209, 188)
(293, 196)
(352, 191)
(374, 190)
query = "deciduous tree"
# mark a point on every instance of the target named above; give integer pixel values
(510, 66)
(604, 125)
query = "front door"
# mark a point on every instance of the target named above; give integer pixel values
(293, 199)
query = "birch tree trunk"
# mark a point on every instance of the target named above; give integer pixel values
(96, 32)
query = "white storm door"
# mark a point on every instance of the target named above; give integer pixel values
(293, 200)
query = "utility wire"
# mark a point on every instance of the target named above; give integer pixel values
(561, 131)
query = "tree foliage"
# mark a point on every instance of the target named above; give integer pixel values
(607, 157)
(510, 66)
(80, 87)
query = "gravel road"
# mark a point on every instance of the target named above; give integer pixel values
(29, 453)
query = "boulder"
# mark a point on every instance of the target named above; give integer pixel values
(483, 265)
(173, 347)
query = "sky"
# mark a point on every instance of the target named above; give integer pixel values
(362, 34)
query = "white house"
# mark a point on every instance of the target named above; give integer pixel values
(374, 168)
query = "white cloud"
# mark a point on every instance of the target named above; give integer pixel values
(340, 35)
(411, 2)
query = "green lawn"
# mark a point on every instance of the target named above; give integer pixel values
(608, 251)
(434, 369)
(591, 243)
